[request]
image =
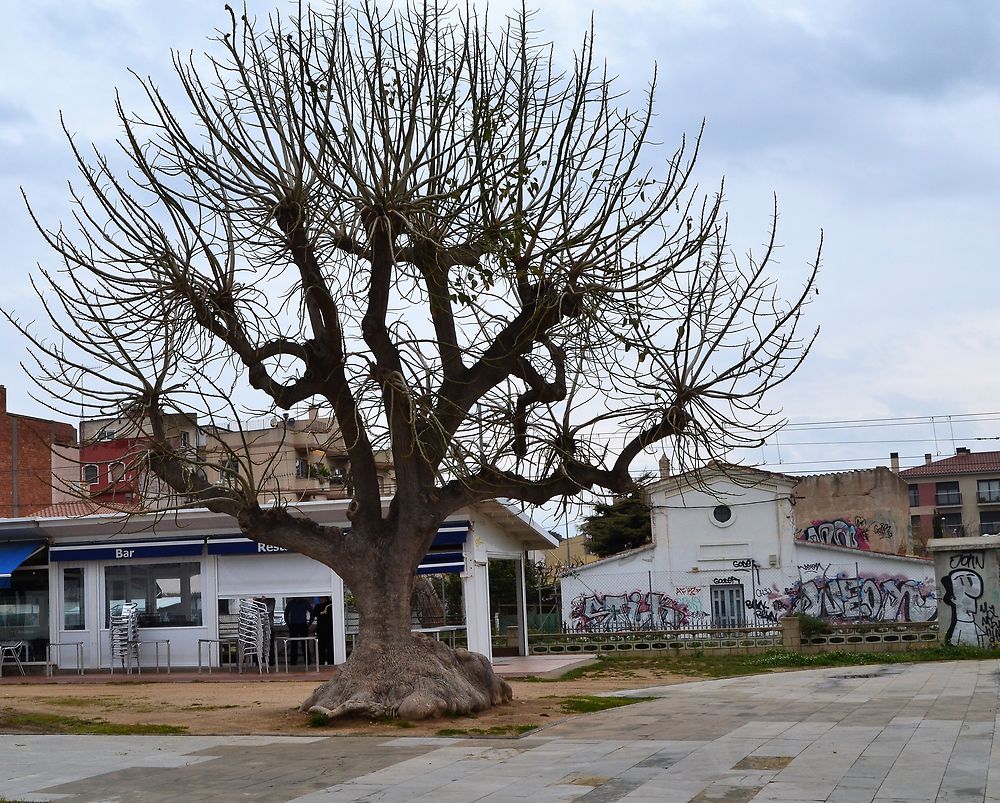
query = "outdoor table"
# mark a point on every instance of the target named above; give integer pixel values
(210, 642)
(157, 642)
(437, 631)
(305, 639)
(50, 664)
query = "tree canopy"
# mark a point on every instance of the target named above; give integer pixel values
(476, 262)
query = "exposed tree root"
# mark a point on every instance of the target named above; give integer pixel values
(414, 678)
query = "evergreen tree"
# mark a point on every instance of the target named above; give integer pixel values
(624, 524)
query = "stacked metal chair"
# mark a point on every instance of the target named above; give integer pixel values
(125, 637)
(254, 634)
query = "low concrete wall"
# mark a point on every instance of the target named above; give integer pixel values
(877, 637)
(872, 638)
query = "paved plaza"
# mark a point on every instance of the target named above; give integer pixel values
(909, 733)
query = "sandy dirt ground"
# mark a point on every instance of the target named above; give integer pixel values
(272, 707)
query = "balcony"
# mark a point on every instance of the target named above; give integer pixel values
(988, 497)
(989, 528)
(948, 499)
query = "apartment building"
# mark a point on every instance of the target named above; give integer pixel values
(290, 458)
(113, 456)
(956, 496)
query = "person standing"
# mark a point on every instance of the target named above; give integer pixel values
(323, 617)
(298, 617)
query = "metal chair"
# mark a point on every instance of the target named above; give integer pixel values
(254, 634)
(13, 650)
(124, 632)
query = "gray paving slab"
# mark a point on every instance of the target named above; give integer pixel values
(871, 735)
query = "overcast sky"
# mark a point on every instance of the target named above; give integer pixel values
(878, 122)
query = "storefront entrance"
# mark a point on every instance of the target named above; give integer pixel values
(24, 597)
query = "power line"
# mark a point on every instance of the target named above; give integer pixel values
(895, 440)
(899, 418)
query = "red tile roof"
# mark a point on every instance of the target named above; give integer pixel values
(76, 508)
(972, 463)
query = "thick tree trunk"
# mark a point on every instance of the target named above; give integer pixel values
(393, 672)
(426, 604)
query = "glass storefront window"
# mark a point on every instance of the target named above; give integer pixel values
(24, 609)
(168, 594)
(73, 611)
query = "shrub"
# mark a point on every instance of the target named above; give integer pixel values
(812, 626)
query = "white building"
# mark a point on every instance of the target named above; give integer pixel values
(65, 575)
(727, 551)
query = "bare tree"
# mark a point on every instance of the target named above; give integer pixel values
(473, 261)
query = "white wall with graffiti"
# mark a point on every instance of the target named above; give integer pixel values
(874, 590)
(728, 554)
(968, 574)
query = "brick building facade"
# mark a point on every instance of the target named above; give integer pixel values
(38, 461)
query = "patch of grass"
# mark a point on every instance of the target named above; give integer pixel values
(496, 730)
(393, 722)
(589, 705)
(451, 732)
(720, 666)
(76, 702)
(22, 722)
(318, 720)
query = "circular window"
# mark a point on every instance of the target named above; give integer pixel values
(722, 514)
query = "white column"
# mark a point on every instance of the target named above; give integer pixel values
(522, 606)
(94, 614)
(476, 590)
(339, 619)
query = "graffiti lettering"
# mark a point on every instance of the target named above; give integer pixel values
(727, 581)
(990, 624)
(814, 567)
(882, 599)
(840, 532)
(746, 563)
(760, 611)
(883, 529)
(688, 589)
(968, 560)
(634, 610)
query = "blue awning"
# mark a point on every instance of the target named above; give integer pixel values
(442, 563)
(451, 537)
(12, 555)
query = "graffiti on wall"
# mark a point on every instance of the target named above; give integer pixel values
(881, 598)
(634, 610)
(972, 623)
(846, 532)
(990, 625)
(762, 611)
(881, 529)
